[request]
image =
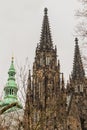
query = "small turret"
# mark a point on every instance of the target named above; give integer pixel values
(58, 65)
(63, 88)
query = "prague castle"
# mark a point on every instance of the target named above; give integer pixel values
(50, 105)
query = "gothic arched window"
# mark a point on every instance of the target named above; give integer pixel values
(41, 61)
(10, 91)
(47, 60)
(78, 88)
(7, 91)
(81, 88)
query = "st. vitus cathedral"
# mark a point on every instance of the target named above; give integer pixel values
(50, 105)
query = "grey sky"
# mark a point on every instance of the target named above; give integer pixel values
(20, 27)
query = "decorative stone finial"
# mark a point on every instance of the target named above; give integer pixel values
(29, 73)
(76, 40)
(45, 11)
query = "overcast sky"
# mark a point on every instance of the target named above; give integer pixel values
(20, 28)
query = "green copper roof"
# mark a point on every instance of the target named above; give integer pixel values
(11, 88)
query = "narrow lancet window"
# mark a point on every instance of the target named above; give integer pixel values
(41, 61)
(47, 60)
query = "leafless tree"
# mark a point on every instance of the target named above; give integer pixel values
(81, 29)
(82, 15)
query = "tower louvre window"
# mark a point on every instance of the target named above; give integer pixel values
(41, 61)
(15, 92)
(81, 88)
(7, 91)
(10, 91)
(47, 60)
(76, 89)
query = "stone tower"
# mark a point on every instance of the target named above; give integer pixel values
(77, 91)
(47, 86)
(46, 71)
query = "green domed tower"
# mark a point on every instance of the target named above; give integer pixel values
(11, 88)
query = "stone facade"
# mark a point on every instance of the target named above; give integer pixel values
(54, 107)
(50, 105)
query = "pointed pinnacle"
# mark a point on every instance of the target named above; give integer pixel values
(45, 11)
(63, 82)
(62, 78)
(76, 40)
(78, 69)
(29, 74)
(58, 64)
(45, 39)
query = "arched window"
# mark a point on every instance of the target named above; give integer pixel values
(7, 91)
(78, 88)
(41, 61)
(47, 60)
(81, 88)
(10, 91)
(15, 92)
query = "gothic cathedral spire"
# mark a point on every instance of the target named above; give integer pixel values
(78, 70)
(46, 40)
(47, 84)
(77, 91)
